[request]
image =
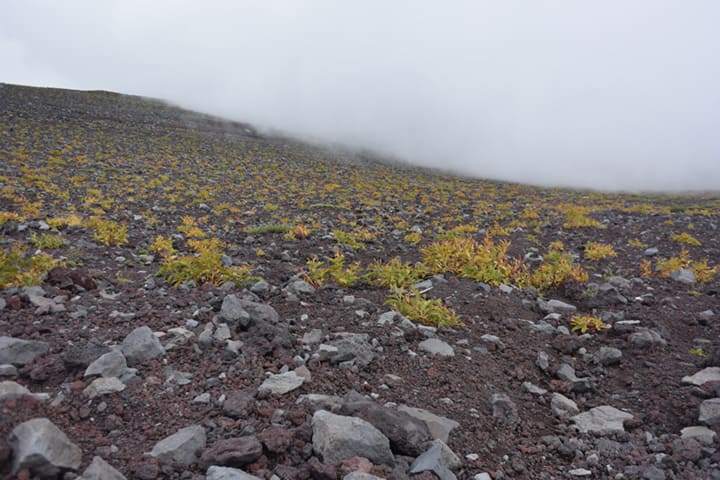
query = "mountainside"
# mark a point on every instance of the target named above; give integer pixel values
(296, 312)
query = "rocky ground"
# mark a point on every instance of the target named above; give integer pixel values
(109, 371)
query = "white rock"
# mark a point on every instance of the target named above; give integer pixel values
(104, 386)
(111, 364)
(562, 406)
(337, 438)
(709, 374)
(43, 448)
(99, 469)
(436, 346)
(702, 434)
(227, 473)
(181, 447)
(602, 420)
(282, 383)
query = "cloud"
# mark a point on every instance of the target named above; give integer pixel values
(609, 95)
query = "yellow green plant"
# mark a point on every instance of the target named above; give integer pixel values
(107, 232)
(413, 238)
(458, 231)
(17, 269)
(636, 243)
(685, 238)
(333, 270)
(665, 266)
(587, 323)
(190, 228)
(298, 233)
(598, 251)
(698, 352)
(69, 220)
(10, 216)
(394, 274)
(418, 308)
(47, 241)
(163, 246)
(204, 267)
(269, 228)
(557, 269)
(354, 239)
(577, 217)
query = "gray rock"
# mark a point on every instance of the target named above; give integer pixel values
(337, 438)
(651, 252)
(542, 361)
(710, 412)
(646, 339)
(313, 337)
(82, 355)
(222, 333)
(702, 434)
(233, 312)
(439, 426)
(542, 326)
(282, 383)
(601, 420)
(709, 374)
(534, 389)
(683, 275)
(580, 472)
(10, 390)
(141, 345)
(607, 356)
(238, 404)
(41, 447)
(103, 386)
(259, 312)
(260, 287)
(300, 287)
(233, 452)
(99, 469)
(503, 408)
(435, 346)
(555, 306)
(111, 364)
(567, 373)
(16, 351)
(181, 447)
(432, 461)
(408, 435)
(353, 348)
(227, 473)
(562, 406)
(357, 475)
(45, 305)
(706, 315)
(321, 402)
(8, 370)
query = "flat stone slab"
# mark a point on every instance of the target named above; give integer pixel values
(436, 347)
(709, 374)
(601, 420)
(282, 383)
(440, 427)
(702, 434)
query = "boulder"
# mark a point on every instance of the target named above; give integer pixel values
(43, 448)
(16, 351)
(181, 447)
(337, 438)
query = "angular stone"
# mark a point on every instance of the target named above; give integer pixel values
(227, 473)
(337, 438)
(646, 339)
(238, 404)
(567, 373)
(10, 390)
(233, 312)
(8, 370)
(233, 452)
(42, 448)
(16, 351)
(607, 356)
(354, 348)
(601, 420)
(555, 306)
(435, 346)
(702, 434)
(141, 345)
(709, 374)
(80, 356)
(562, 406)
(361, 476)
(683, 275)
(103, 386)
(408, 435)
(99, 469)
(534, 389)
(710, 412)
(181, 447)
(111, 364)
(439, 426)
(259, 312)
(282, 383)
(503, 408)
(432, 461)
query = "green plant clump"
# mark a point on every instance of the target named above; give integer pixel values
(270, 228)
(20, 270)
(204, 267)
(418, 308)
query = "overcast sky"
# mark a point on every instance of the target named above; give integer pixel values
(606, 94)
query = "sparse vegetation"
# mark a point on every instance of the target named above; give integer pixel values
(587, 323)
(598, 251)
(429, 311)
(204, 267)
(18, 269)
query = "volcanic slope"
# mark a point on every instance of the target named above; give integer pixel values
(170, 274)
